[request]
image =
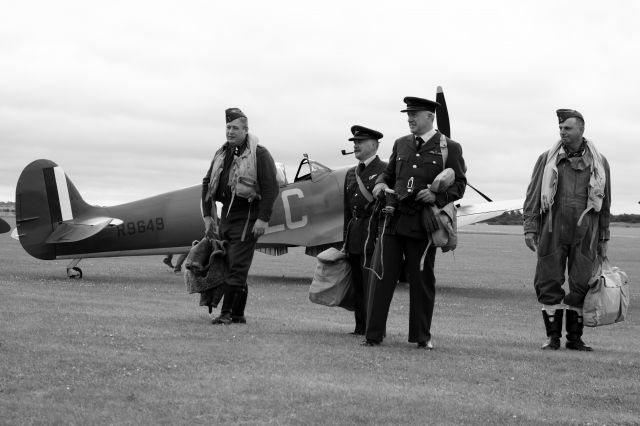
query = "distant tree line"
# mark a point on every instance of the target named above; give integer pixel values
(514, 217)
(7, 207)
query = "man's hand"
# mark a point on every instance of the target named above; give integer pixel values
(602, 248)
(259, 227)
(531, 240)
(426, 196)
(379, 188)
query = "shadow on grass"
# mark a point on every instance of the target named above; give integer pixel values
(271, 280)
(485, 293)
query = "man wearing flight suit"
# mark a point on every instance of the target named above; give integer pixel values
(360, 228)
(415, 161)
(242, 177)
(566, 220)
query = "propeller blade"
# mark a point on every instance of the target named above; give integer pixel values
(481, 194)
(442, 114)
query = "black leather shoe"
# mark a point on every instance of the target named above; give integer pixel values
(578, 345)
(369, 342)
(238, 319)
(552, 344)
(222, 319)
(428, 346)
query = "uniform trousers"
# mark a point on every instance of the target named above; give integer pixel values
(387, 262)
(556, 255)
(239, 257)
(360, 282)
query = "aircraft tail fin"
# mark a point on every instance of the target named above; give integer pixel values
(49, 210)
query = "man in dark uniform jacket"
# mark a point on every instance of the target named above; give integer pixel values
(242, 176)
(415, 161)
(359, 226)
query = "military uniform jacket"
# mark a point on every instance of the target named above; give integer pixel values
(423, 166)
(357, 210)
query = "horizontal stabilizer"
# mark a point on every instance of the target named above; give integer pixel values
(80, 229)
(4, 226)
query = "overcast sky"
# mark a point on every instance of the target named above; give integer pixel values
(129, 96)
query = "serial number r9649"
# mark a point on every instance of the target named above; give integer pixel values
(140, 226)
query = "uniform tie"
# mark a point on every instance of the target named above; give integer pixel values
(361, 167)
(419, 142)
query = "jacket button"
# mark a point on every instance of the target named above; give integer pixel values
(434, 161)
(417, 155)
(415, 167)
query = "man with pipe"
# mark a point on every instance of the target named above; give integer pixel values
(360, 224)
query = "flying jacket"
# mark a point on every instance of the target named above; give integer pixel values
(574, 193)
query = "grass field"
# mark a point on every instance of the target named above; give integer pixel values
(127, 345)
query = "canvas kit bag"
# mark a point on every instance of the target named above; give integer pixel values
(331, 279)
(607, 300)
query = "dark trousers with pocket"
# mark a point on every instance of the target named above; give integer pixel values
(239, 257)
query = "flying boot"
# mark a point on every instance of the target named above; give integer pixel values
(237, 309)
(227, 306)
(553, 325)
(574, 332)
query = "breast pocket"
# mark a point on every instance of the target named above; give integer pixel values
(370, 181)
(431, 162)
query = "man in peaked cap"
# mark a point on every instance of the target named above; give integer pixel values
(566, 221)
(360, 229)
(415, 161)
(242, 177)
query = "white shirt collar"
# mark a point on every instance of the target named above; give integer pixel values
(425, 137)
(368, 160)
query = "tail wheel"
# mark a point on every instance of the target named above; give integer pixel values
(74, 272)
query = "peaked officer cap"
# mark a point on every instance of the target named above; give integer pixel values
(419, 104)
(362, 133)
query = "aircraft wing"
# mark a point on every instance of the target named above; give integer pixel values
(472, 213)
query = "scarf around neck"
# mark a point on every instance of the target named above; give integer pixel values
(597, 180)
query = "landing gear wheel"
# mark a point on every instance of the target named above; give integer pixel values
(74, 272)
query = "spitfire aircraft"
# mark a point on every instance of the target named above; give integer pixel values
(54, 222)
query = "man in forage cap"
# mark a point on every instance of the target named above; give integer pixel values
(242, 177)
(566, 221)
